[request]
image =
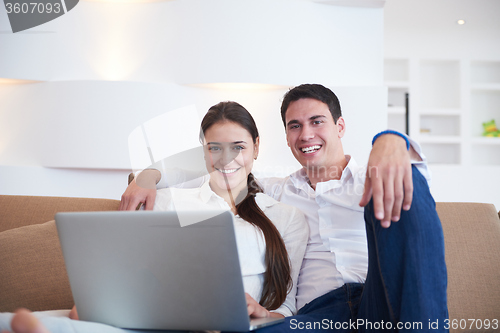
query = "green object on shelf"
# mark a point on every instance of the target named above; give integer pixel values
(490, 129)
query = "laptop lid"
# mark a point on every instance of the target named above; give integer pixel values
(142, 270)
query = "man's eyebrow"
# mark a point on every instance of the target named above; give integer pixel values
(295, 121)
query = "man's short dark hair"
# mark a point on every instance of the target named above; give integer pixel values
(314, 91)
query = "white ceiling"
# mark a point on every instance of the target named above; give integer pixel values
(442, 14)
(428, 28)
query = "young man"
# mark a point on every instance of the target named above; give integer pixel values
(359, 271)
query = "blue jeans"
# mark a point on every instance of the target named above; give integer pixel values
(405, 289)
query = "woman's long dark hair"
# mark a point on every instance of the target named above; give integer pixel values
(277, 278)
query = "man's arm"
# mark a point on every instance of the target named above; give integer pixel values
(389, 178)
(142, 189)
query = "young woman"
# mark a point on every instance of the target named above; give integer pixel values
(271, 236)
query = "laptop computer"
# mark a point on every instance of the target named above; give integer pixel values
(142, 270)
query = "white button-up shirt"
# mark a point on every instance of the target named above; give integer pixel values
(337, 251)
(289, 221)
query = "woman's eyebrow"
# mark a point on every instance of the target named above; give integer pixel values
(219, 143)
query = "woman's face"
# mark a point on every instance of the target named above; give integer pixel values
(229, 155)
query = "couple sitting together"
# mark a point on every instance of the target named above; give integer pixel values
(313, 249)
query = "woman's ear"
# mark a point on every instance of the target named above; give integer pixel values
(256, 148)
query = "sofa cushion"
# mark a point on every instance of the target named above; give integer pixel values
(472, 245)
(33, 274)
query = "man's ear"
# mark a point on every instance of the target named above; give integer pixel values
(341, 126)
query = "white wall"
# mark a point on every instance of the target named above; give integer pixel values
(103, 69)
(428, 29)
(282, 42)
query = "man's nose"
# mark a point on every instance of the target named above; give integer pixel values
(306, 133)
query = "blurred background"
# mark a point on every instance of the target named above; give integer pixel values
(78, 92)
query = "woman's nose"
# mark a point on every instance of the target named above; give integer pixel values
(227, 156)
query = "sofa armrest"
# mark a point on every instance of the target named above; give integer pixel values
(472, 245)
(33, 273)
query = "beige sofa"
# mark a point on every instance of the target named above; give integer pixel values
(32, 272)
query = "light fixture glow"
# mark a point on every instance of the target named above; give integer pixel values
(16, 81)
(461, 22)
(114, 57)
(239, 86)
(127, 1)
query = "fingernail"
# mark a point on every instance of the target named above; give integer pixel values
(395, 218)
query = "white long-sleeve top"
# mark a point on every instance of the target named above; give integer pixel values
(289, 221)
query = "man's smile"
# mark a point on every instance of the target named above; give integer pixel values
(310, 149)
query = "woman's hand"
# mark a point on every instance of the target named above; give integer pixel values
(255, 310)
(73, 314)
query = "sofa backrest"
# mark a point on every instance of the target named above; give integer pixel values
(19, 210)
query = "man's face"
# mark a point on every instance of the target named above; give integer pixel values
(312, 135)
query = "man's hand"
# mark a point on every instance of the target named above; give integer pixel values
(389, 179)
(141, 190)
(255, 310)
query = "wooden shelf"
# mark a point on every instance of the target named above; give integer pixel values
(354, 3)
(397, 84)
(485, 141)
(396, 110)
(441, 112)
(486, 86)
(428, 138)
(450, 99)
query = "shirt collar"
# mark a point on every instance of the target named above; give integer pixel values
(206, 192)
(263, 201)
